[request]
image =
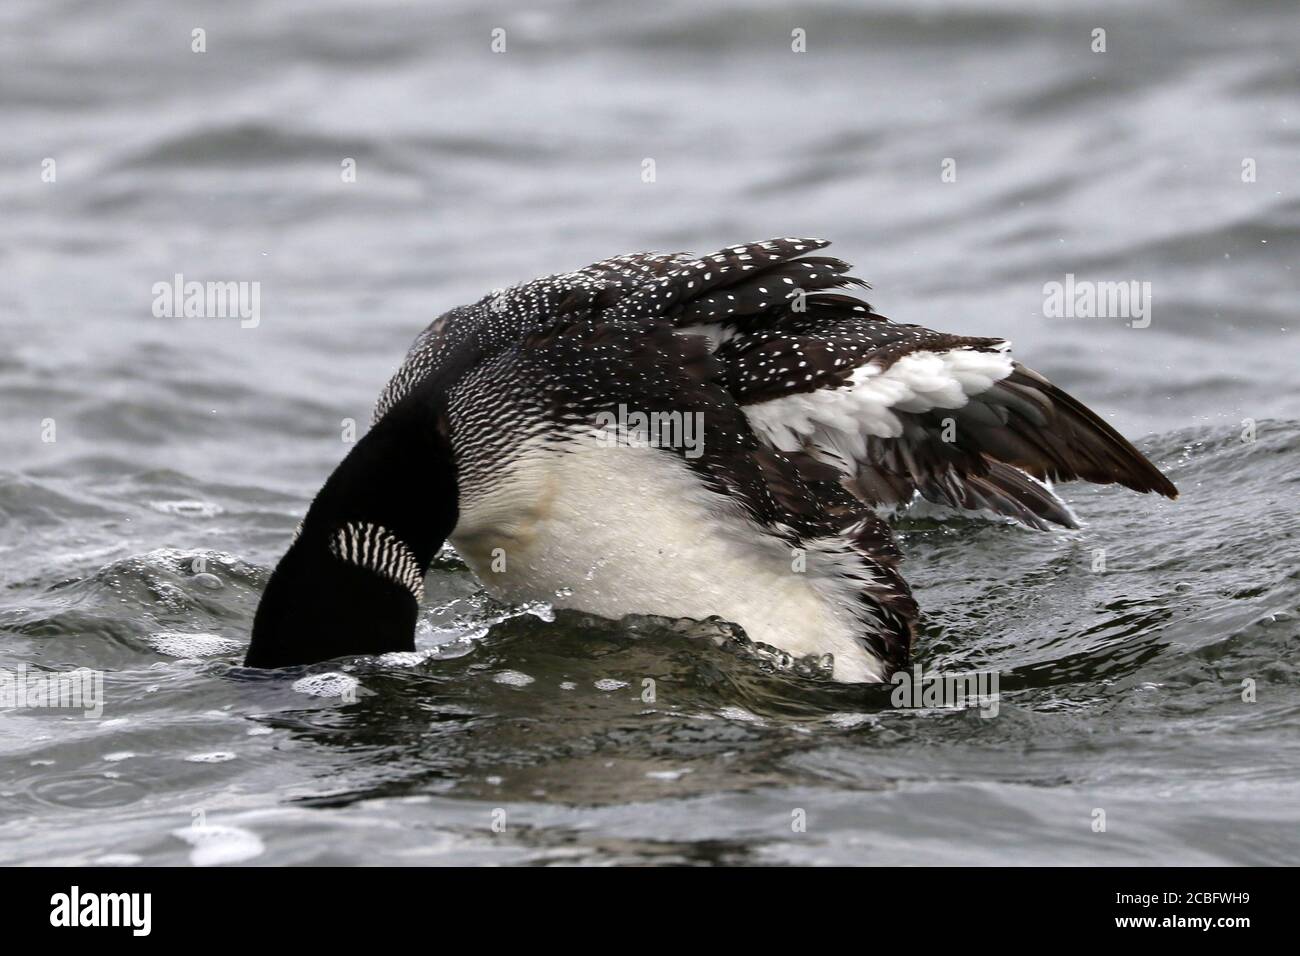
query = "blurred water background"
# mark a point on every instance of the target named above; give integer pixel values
(185, 450)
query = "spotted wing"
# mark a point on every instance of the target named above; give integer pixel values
(901, 409)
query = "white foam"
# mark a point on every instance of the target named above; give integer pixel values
(188, 509)
(185, 644)
(667, 774)
(329, 684)
(848, 720)
(216, 756)
(513, 678)
(407, 658)
(733, 712)
(214, 844)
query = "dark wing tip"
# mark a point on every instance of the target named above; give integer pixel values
(1009, 491)
(1078, 443)
(1166, 488)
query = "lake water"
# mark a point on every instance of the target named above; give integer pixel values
(153, 468)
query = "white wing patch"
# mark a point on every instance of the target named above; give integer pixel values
(838, 420)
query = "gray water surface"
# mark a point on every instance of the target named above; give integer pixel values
(185, 450)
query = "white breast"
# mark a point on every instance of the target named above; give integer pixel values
(616, 530)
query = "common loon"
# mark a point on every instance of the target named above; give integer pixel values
(542, 430)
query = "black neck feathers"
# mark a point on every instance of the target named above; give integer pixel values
(351, 582)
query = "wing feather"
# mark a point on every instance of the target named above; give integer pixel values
(901, 409)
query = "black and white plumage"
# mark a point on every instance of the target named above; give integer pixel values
(380, 551)
(814, 412)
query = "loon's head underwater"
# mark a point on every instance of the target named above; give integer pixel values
(352, 581)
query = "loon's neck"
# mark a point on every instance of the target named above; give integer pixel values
(351, 582)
